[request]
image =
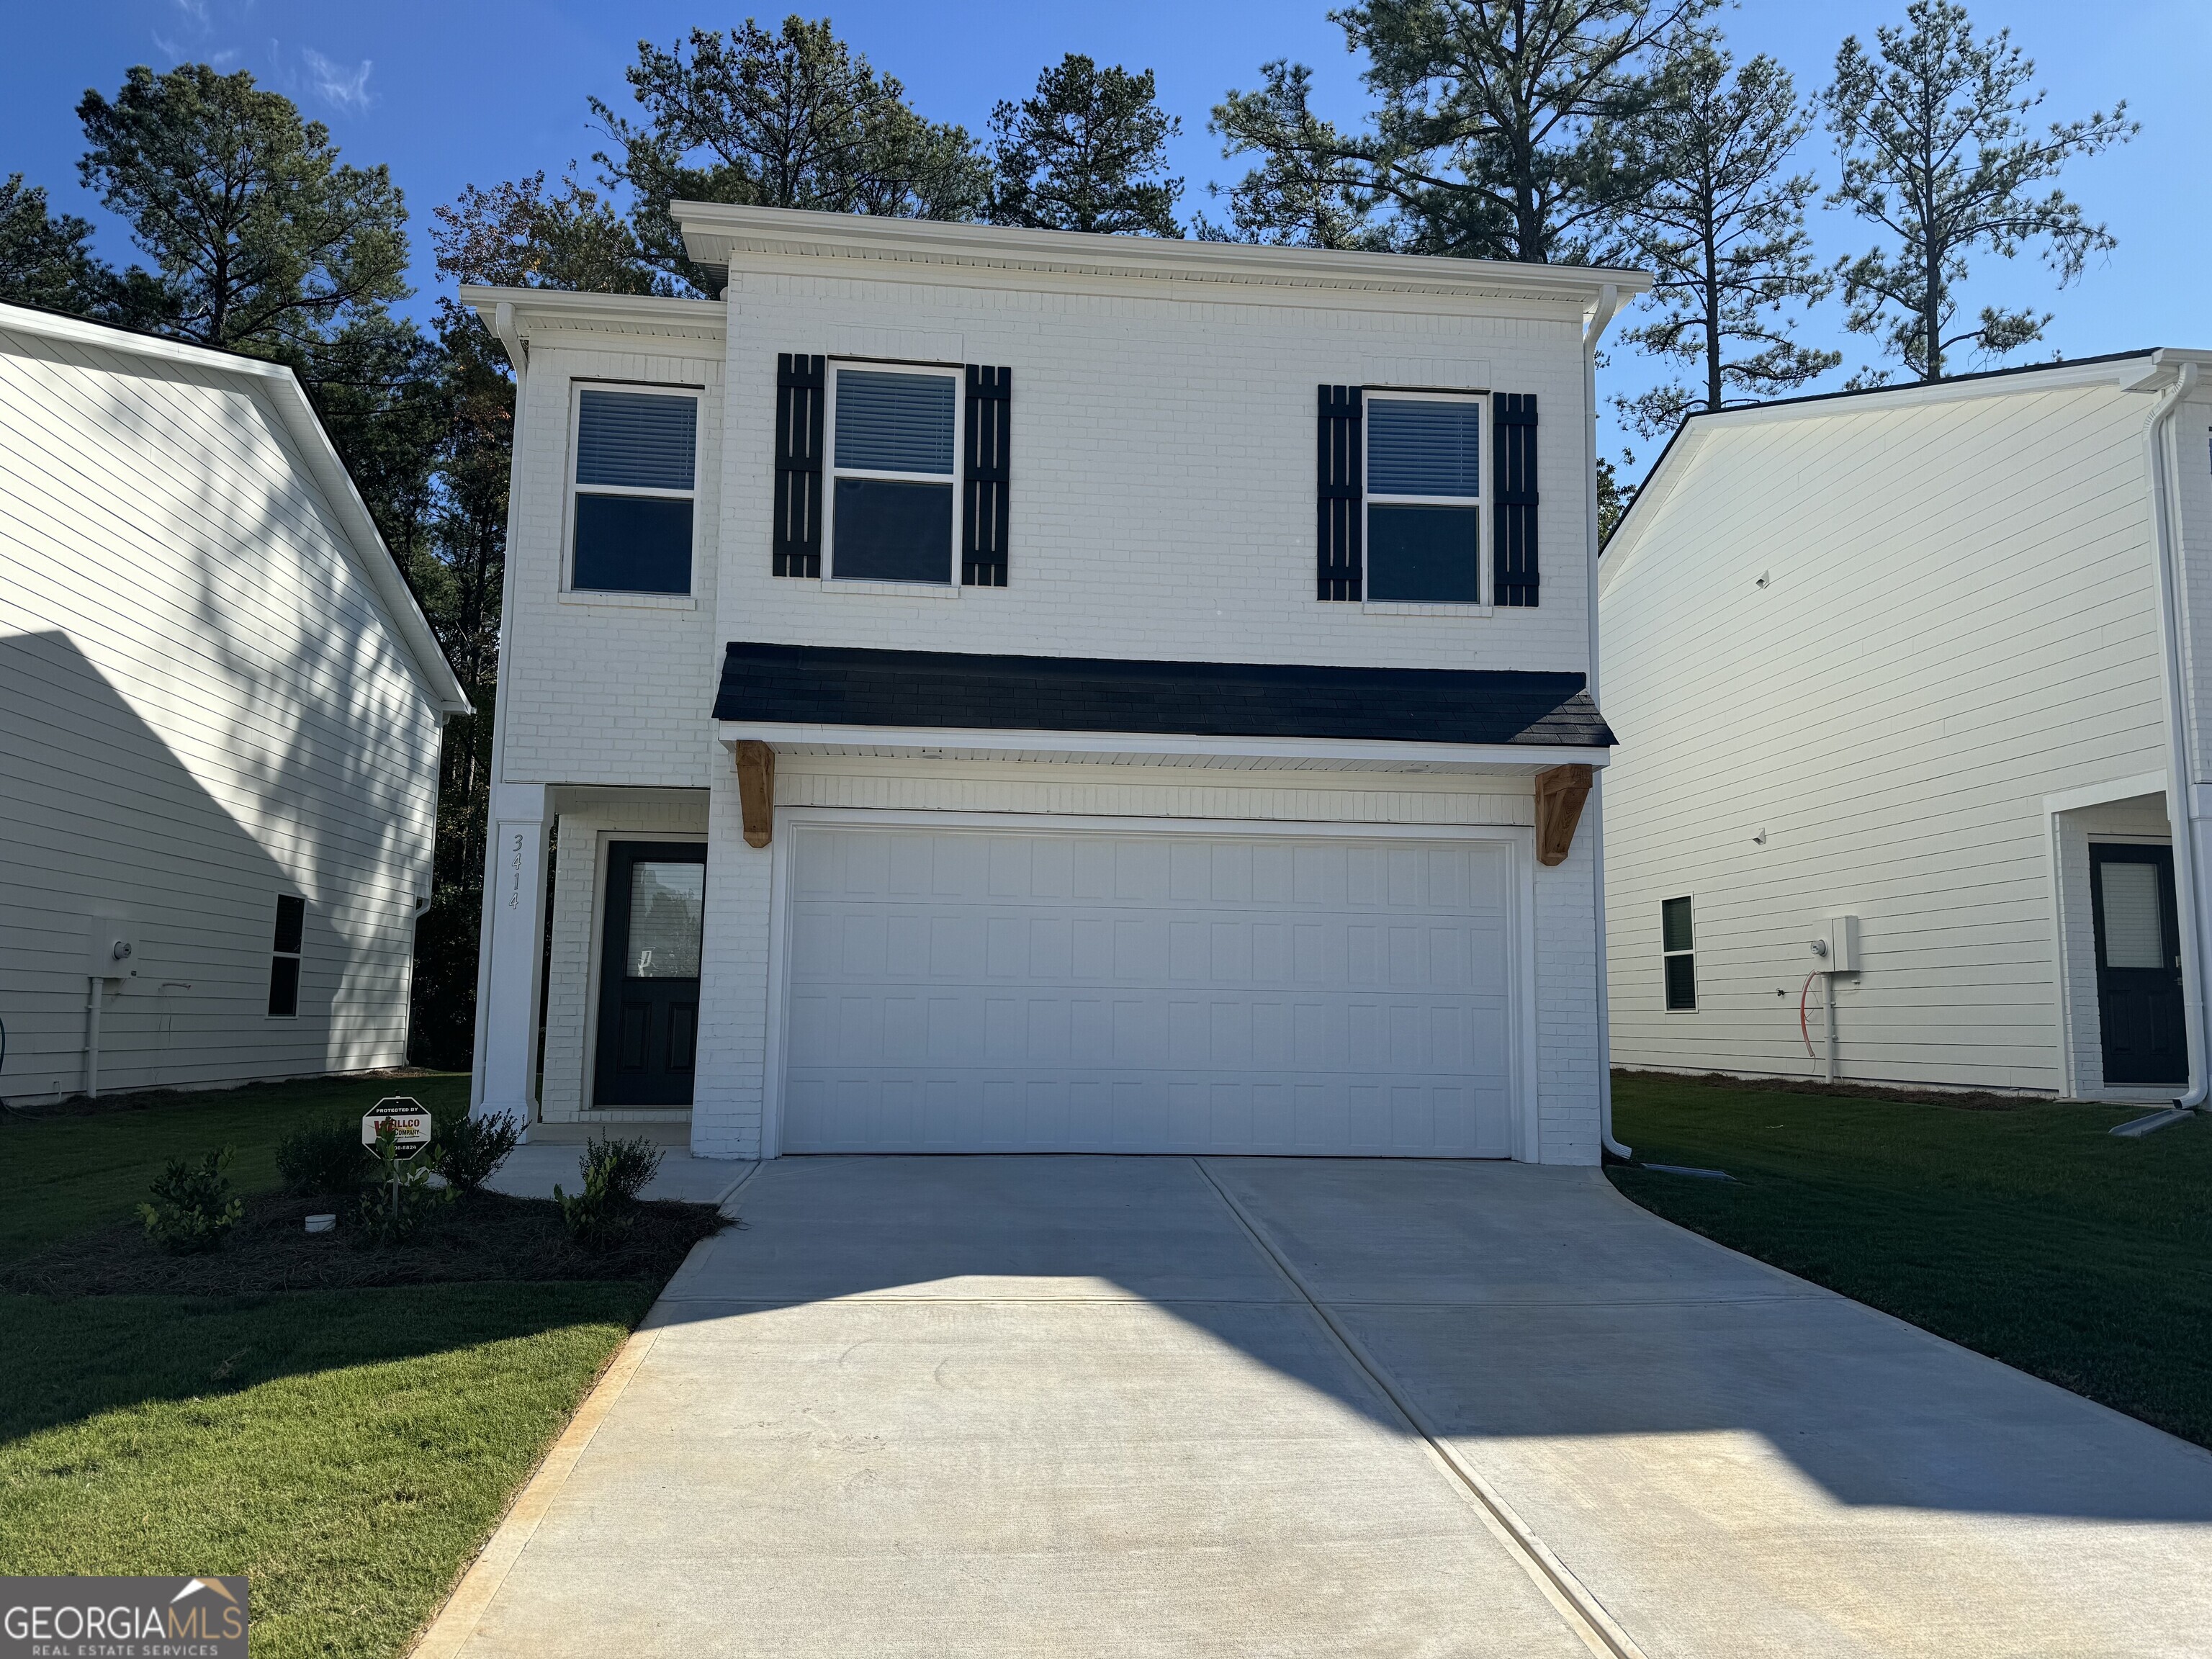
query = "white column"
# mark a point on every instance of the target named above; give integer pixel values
(508, 984)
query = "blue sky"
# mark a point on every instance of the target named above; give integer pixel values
(478, 92)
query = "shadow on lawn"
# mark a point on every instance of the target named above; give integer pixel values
(64, 1361)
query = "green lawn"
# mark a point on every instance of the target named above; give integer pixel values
(59, 1175)
(349, 1451)
(2029, 1234)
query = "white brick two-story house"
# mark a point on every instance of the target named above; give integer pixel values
(974, 689)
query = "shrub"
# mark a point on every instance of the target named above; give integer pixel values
(629, 1164)
(400, 1203)
(324, 1157)
(614, 1172)
(466, 1147)
(192, 1206)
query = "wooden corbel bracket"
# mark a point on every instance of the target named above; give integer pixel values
(757, 790)
(1560, 792)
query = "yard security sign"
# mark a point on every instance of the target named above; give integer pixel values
(409, 1122)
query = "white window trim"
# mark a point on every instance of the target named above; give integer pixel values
(569, 589)
(832, 472)
(1667, 955)
(1483, 603)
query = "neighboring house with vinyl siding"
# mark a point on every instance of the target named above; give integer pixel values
(992, 689)
(218, 727)
(1938, 659)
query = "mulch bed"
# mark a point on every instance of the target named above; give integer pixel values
(485, 1235)
(1968, 1099)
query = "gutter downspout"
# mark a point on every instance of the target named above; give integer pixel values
(1601, 315)
(517, 357)
(2181, 805)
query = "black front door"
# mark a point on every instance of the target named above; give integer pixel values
(649, 973)
(2138, 964)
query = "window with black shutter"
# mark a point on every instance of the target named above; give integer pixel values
(801, 387)
(1425, 497)
(1340, 493)
(990, 406)
(1513, 536)
(895, 473)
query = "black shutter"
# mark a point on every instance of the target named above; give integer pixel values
(801, 385)
(990, 403)
(1338, 490)
(1513, 528)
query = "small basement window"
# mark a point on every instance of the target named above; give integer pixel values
(1675, 948)
(636, 465)
(284, 961)
(1425, 517)
(895, 462)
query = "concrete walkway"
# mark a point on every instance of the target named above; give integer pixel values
(1090, 1405)
(555, 1152)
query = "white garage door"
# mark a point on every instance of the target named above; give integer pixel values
(1084, 991)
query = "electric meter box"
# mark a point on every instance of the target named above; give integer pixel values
(111, 947)
(1843, 937)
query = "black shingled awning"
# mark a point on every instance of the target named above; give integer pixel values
(838, 685)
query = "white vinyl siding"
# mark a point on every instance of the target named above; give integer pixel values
(1956, 620)
(202, 705)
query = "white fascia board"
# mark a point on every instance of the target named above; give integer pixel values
(288, 399)
(713, 232)
(1349, 751)
(536, 310)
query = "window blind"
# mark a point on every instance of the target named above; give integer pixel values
(634, 440)
(1424, 448)
(894, 423)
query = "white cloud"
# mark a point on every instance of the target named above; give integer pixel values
(195, 9)
(336, 85)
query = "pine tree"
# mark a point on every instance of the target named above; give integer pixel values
(791, 120)
(1087, 151)
(1937, 150)
(1489, 139)
(1722, 228)
(46, 259)
(262, 240)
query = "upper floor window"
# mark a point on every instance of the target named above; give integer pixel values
(1425, 517)
(894, 466)
(636, 471)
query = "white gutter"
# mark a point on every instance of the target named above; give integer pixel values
(2180, 795)
(1608, 303)
(502, 323)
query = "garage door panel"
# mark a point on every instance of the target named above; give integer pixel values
(1014, 990)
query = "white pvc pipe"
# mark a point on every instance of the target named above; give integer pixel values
(92, 1041)
(2180, 797)
(1828, 997)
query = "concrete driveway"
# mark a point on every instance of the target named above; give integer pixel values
(1094, 1406)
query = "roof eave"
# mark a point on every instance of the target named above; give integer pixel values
(714, 232)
